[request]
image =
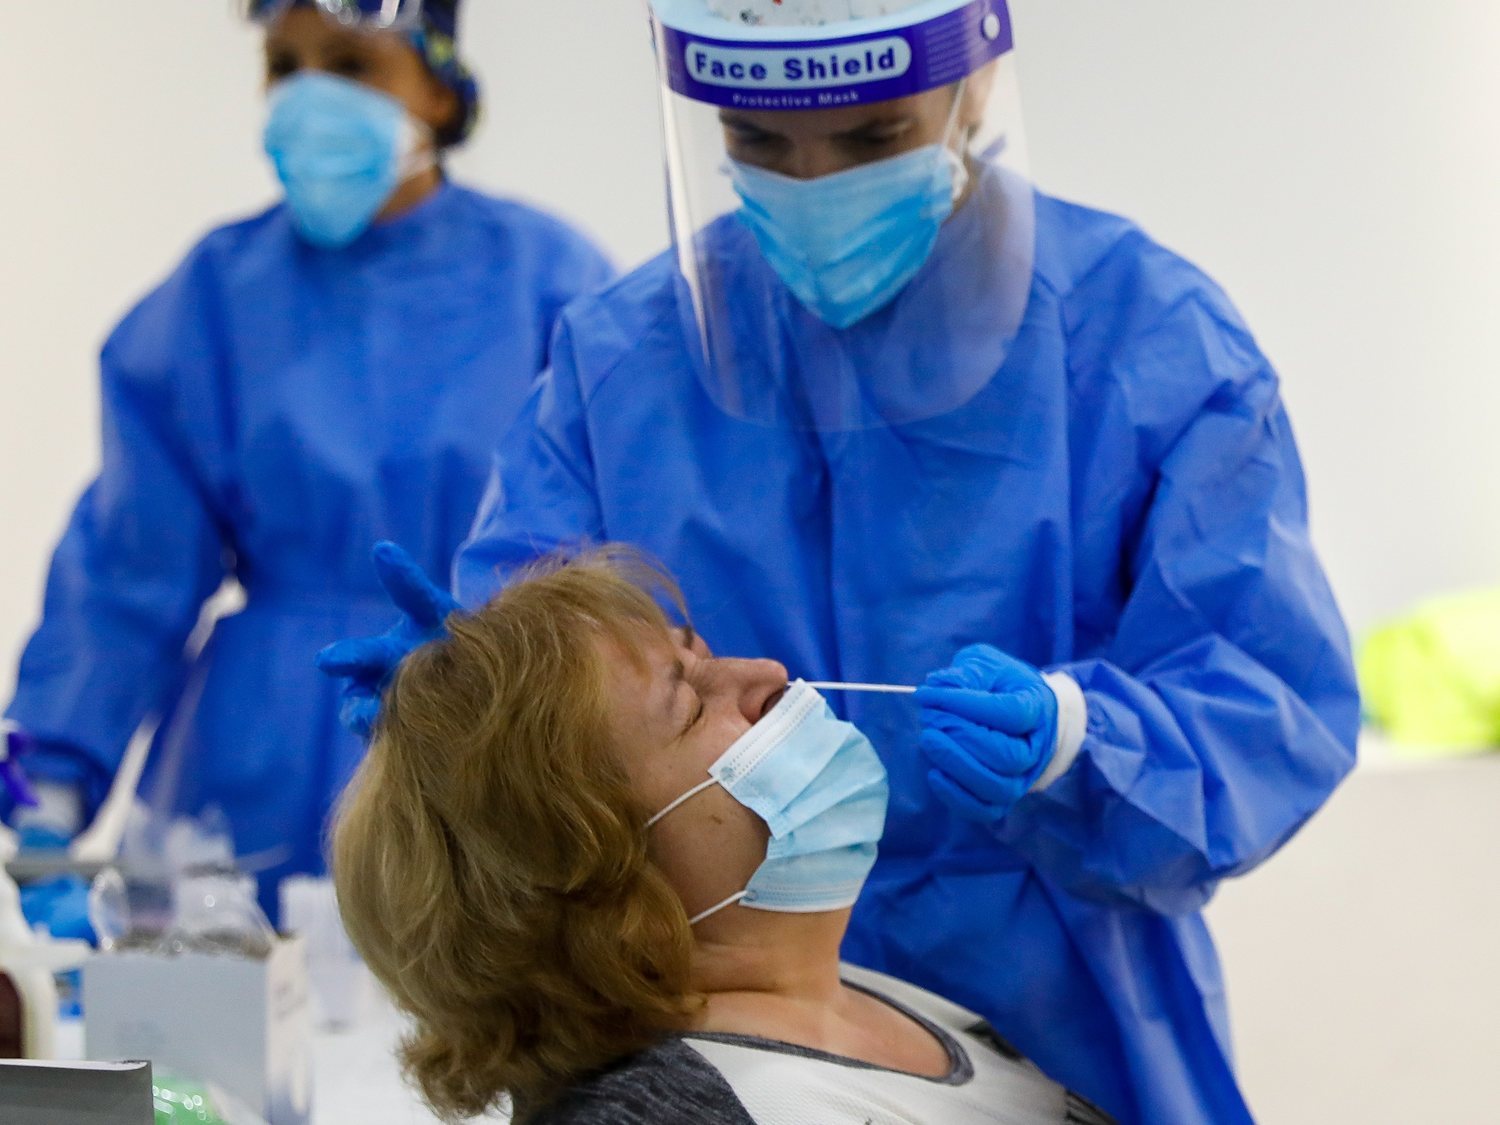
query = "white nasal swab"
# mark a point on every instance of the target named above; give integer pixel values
(888, 689)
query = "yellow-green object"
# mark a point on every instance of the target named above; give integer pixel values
(180, 1102)
(183, 1101)
(1432, 679)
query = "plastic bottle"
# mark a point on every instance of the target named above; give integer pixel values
(217, 913)
(28, 990)
(28, 994)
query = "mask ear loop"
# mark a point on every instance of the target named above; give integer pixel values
(730, 901)
(420, 148)
(959, 157)
(693, 792)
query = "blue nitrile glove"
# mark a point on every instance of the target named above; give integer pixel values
(42, 838)
(989, 729)
(60, 903)
(367, 664)
(15, 792)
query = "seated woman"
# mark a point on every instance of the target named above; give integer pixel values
(607, 875)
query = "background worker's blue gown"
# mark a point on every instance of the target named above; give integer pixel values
(268, 413)
(1123, 500)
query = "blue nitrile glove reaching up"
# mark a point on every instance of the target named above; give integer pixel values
(14, 789)
(367, 664)
(989, 731)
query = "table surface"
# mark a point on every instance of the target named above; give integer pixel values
(1361, 959)
(356, 1077)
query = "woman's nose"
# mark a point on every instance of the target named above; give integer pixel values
(754, 685)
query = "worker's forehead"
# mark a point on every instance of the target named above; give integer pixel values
(840, 119)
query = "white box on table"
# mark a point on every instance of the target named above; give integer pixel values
(241, 1024)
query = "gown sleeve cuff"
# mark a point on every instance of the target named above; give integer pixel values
(59, 763)
(1072, 723)
(60, 807)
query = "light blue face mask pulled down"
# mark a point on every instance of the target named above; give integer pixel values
(340, 150)
(821, 788)
(846, 244)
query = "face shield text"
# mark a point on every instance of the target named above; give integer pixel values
(798, 68)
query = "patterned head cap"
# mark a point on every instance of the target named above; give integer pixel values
(804, 13)
(437, 40)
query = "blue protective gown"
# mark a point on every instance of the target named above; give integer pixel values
(269, 412)
(1122, 501)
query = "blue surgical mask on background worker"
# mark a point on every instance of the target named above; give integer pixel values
(340, 150)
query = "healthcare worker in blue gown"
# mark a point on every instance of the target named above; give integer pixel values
(894, 416)
(329, 372)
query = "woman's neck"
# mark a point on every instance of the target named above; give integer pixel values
(776, 976)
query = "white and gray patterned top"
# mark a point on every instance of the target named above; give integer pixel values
(715, 1079)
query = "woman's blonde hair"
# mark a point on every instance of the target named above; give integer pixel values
(490, 858)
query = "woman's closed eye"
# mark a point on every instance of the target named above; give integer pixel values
(696, 711)
(683, 682)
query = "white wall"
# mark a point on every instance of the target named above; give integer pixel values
(1335, 165)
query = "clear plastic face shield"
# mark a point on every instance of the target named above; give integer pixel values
(373, 15)
(850, 203)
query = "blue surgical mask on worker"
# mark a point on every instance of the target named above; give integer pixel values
(821, 789)
(846, 244)
(340, 150)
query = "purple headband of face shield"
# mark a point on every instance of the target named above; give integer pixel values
(873, 66)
